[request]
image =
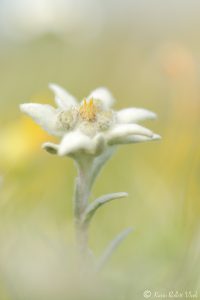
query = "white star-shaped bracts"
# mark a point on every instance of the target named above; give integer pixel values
(91, 126)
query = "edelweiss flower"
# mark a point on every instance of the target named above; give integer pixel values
(90, 126)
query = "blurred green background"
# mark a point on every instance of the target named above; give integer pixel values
(148, 54)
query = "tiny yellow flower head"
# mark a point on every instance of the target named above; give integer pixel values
(88, 110)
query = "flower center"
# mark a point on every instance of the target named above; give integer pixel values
(88, 110)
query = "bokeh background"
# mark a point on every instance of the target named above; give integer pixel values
(148, 54)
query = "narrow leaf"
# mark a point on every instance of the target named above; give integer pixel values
(112, 247)
(92, 208)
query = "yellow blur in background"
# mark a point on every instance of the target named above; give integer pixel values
(147, 54)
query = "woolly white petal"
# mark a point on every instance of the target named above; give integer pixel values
(98, 144)
(63, 99)
(51, 147)
(76, 141)
(135, 139)
(123, 130)
(104, 95)
(134, 115)
(42, 114)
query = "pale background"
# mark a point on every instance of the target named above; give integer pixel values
(148, 54)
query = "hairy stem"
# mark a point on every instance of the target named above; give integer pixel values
(82, 193)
